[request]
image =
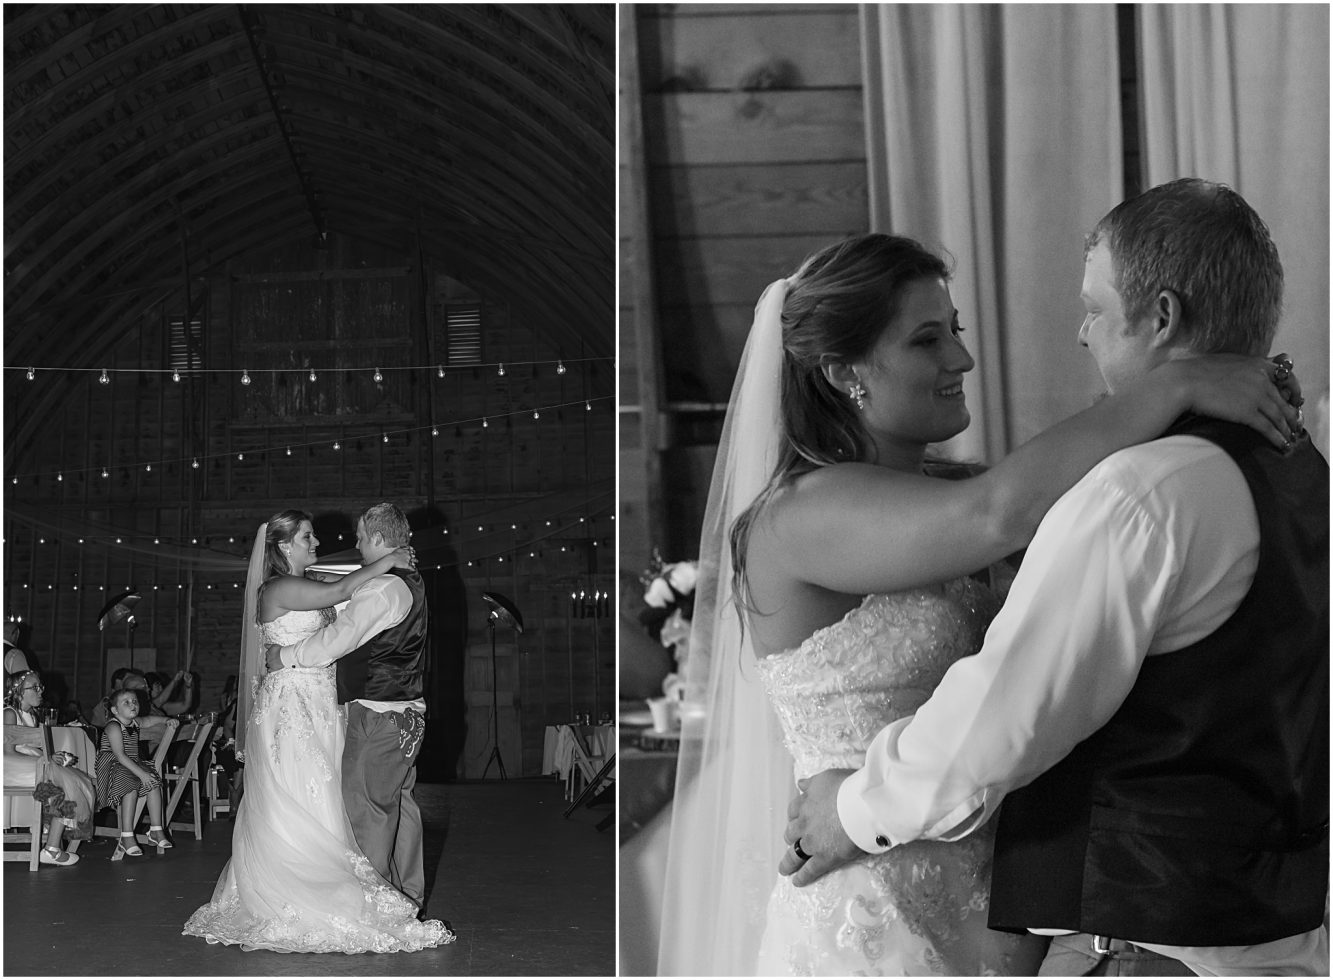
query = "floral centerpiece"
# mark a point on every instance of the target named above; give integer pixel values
(669, 595)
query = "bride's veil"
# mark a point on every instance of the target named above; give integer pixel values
(252, 664)
(735, 776)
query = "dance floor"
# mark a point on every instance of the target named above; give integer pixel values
(528, 893)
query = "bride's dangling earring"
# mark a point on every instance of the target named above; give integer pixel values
(858, 394)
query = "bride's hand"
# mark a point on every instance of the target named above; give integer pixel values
(1255, 391)
(404, 557)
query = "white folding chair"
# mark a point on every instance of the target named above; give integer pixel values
(584, 762)
(22, 810)
(217, 803)
(187, 774)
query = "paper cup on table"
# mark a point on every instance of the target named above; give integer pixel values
(665, 713)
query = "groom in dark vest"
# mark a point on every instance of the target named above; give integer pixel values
(379, 643)
(1152, 702)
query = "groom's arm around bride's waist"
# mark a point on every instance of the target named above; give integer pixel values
(380, 604)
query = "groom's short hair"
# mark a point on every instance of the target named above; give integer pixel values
(1203, 242)
(389, 521)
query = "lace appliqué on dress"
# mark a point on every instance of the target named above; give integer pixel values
(919, 908)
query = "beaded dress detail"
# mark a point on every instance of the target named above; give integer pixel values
(920, 908)
(296, 881)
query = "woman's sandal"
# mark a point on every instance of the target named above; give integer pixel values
(134, 850)
(161, 842)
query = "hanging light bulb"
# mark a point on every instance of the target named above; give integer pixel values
(439, 369)
(501, 372)
(289, 450)
(105, 474)
(560, 367)
(434, 431)
(194, 463)
(484, 424)
(587, 406)
(313, 377)
(240, 457)
(378, 377)
(337, 445)
(386, 437)
(176, 375)
(32, 373)
(15, 481)
(536, 414)
(104, 379)
(60, 477)
(245, 376)
(148, 468)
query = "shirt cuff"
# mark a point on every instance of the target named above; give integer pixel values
(857, 819)
(288, 655)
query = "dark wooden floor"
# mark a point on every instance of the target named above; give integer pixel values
(528, 893)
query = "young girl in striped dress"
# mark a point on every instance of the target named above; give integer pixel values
(122, 775)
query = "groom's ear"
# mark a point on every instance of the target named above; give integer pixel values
(1167, 320)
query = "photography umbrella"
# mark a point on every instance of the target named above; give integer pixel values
(120, 610)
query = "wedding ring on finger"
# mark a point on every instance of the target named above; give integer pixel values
(796, 848)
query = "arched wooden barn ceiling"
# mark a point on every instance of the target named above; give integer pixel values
(141, 138)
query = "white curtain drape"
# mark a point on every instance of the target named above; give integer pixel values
(1239, 93)
(994, 131)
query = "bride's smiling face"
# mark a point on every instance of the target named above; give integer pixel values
(301, 550)
(913, 376)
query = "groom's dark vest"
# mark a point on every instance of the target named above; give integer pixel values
(389, 666)
(1198, 816)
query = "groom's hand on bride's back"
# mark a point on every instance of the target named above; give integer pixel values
(273, 657)
(813, 823)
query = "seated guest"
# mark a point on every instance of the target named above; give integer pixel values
(160, 691)
(66, 793)
(224, 747)
(122, 775)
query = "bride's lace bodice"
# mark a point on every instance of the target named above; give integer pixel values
(878, 663)
(919, 908)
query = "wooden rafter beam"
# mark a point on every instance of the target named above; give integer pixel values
(281, 115)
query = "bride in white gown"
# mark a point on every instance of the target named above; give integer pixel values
(836, 588)
(296, 881)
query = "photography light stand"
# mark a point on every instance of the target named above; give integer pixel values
(504, 612)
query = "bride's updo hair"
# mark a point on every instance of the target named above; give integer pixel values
(837, 305)
(282, 527)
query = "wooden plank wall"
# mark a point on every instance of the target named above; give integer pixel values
(527, 502)
(754, 156)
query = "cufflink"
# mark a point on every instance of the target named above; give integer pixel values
(881, 840)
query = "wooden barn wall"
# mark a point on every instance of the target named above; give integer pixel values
(522, 506)
(753, 156)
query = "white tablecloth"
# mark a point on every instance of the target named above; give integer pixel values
(558, 752)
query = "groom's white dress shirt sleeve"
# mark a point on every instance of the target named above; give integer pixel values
(1105, 582)
(380, 604)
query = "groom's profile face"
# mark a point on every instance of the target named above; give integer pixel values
(366, 543)
(1121, 348)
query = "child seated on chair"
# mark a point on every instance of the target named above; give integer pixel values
(65, 793)
(122, 775)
